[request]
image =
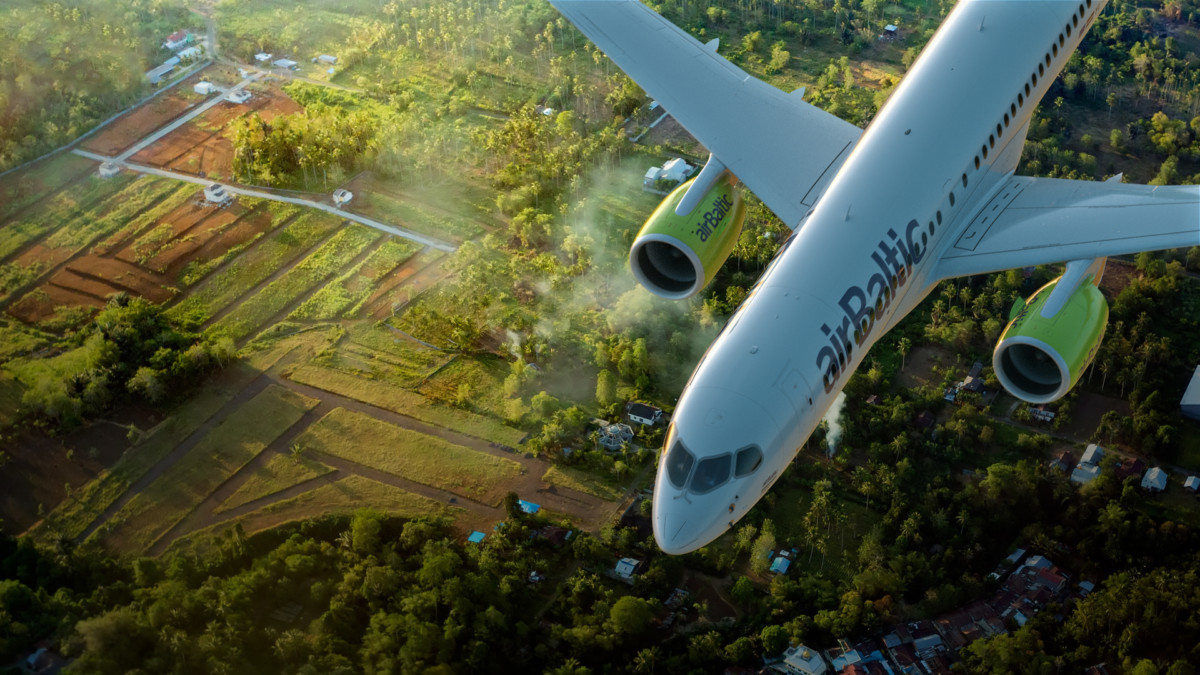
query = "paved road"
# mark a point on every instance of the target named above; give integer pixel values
(399, 232)
(184, 119)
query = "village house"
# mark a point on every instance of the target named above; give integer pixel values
(674, 171)
(1089, 465)
(613, 437)
(646, 415)
(1155, 480)
(178, 40)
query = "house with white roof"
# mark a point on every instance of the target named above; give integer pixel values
(1089, 466)
(801, 660)
(1192, 483)
(1189, 405)
(1155, 480)
(675, 171)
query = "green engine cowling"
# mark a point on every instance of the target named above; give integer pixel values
(675, 256)
(1039, 359)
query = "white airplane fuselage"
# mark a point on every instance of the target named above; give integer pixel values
(936, 155)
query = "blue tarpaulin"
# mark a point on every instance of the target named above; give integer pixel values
(476, 537)
(528, 507)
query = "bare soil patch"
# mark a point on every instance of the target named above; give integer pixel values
(671, 133)
(139, 123)
(202, 147)
(918, 367)
(170, 149)
(1117, 275)
(416, 274)
(1087, 411)
(44, 301)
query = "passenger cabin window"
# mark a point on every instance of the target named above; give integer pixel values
(711, 473)
(679, 464)
(748, 459)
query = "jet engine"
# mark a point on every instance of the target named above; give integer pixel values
(676, 255)
(1044, 350)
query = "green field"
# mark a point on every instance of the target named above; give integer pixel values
(377, 352)
(391, 397)
(412, 455)
(582, 481)
(73, 516)
(27, 186)
(231, 283)
(346, 294)
(344, 496)
(279, 473)
(165, 204)
(280, 213)
(66, 209)
(115, 213)
(224, 450)
(416, 217)
(296, 282)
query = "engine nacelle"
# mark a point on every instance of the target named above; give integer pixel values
(1039, 359)
(675, 256)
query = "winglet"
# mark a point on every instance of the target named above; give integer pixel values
(713, 44)
(799, 93)
(1115, 179)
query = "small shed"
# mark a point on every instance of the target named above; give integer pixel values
(109, 169)
(627, 567)
(528, 507)
(263, 57)
(204, 87)
(1192, 483)
(780, 564)
(285, 63)
(239, 96)
(327, 58)
(342, 197)
(1189, 405)
(1155, 480)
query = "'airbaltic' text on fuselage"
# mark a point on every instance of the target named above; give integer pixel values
(863, 306)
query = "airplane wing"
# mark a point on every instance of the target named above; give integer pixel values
(1035, 221)
(786, 151)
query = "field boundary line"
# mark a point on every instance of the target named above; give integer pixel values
(266, 236)
(207, 506)
(258, 288)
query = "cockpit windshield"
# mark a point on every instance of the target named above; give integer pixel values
(748, 459)
(711, 473)
(679, 464)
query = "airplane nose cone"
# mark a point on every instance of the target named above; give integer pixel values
(676, 533)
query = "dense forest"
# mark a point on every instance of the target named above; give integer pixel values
(67, 66)
(902, 523)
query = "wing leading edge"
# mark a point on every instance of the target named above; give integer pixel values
(785, 150)
(1036, 221)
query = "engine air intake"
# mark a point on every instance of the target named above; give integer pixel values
(675, 256)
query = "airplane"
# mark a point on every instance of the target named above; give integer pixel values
(879, 216)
